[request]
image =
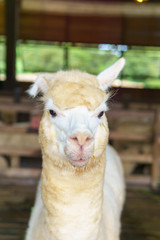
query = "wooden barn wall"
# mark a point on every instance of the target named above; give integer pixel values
(95, 29)
(90, 29)
(2, 22)
(142, 31)
(39, 26)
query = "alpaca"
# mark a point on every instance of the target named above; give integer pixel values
(81, 192)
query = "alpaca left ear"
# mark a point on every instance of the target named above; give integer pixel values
(41, 85)
(107, 76)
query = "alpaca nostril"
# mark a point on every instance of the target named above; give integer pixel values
(88, 139)
(75, 139)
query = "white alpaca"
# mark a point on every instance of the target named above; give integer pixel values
(81, 193)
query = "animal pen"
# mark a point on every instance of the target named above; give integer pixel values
(72, 28)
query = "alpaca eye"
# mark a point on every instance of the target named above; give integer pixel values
(52, 113)
(100, 114)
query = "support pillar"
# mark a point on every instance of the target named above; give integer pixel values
(12, 16)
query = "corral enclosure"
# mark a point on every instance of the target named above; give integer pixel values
(47, 36)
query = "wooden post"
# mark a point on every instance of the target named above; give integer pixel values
(15, 162)
(65, 65)
(156, 152)
(12, 15)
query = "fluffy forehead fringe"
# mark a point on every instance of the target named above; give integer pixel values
(74, 88)
(49, 105)
(71, 89)
(70, 95)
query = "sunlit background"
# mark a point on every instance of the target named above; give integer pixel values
(142, 54)
(142, 69)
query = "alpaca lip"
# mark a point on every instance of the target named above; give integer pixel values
(79, 162)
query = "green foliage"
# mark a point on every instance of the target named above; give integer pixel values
(38, 58)
(91, 60)
(50, 58)
(152, 83)
(142, 63)
(2, 57)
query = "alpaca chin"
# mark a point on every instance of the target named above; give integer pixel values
(79, 159)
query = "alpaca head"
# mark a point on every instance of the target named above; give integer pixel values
(74, 128)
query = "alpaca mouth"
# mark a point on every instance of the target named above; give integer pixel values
(79, 162)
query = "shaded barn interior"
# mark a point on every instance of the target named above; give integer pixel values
(134, 118)
(140, 218)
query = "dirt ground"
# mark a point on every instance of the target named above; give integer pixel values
(140, 218)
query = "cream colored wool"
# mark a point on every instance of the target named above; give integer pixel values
(77, 202)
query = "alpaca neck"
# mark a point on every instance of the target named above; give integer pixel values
(73, 202)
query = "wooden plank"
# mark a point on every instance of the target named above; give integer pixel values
(14, 128)
(56, 27)
(156, 153)
(132, 114)
(142, 31)
(8, 237)
(5, 226)
(5, 180)
(15, 162)
(94, 29)
(41, 26)
(58, 21)
(20, 151)
(20, 173)
(17, 107)
(99, 8)
(5, 98)
(138, 180)
(136, 158)
(114, 135)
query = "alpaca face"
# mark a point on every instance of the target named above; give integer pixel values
(73, 127)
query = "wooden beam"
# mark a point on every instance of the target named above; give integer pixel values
(92, 8)
(20, 173)
(136, 158)
(138, 180)
(17, 107)
(20, 151)
(11, 12)
(14, 128)
(124, 136)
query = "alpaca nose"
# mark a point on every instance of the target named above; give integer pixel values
(81, 138)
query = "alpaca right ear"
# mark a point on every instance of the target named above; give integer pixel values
(110, 74)
(41, 85)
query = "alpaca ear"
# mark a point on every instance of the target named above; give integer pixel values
(107, 76)
(41, 85)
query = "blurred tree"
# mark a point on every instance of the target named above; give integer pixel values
(142, 63)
